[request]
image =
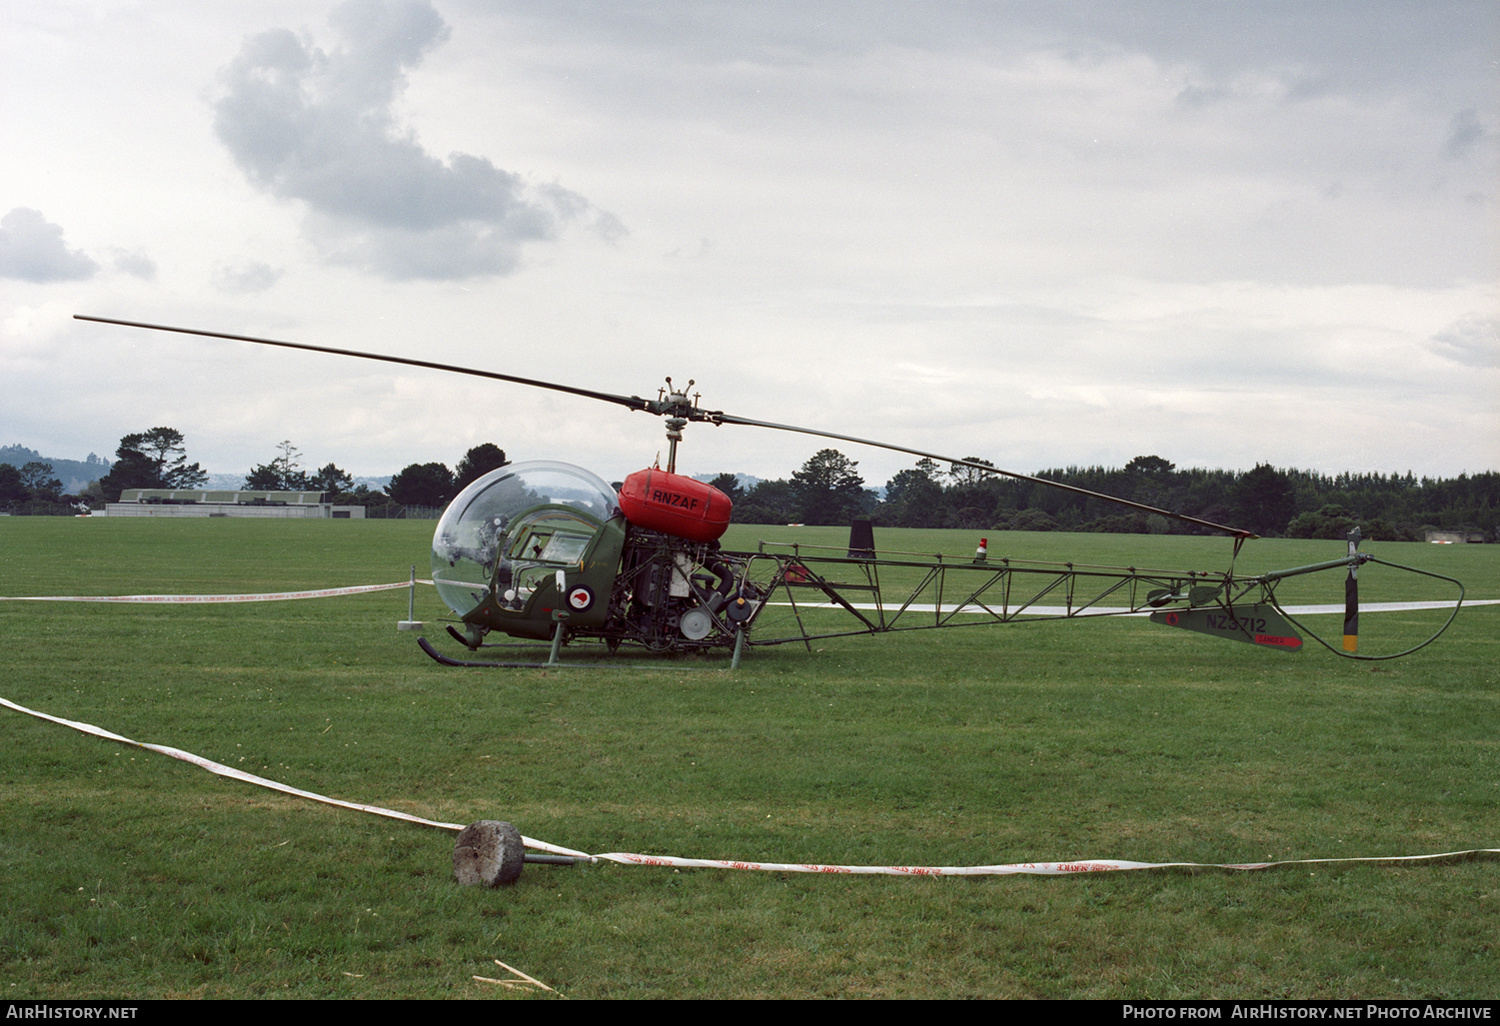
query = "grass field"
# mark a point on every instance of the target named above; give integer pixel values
(128, 874)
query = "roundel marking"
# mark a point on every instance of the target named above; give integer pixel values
(580, 598)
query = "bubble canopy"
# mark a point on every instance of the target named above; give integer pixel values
(472, 534)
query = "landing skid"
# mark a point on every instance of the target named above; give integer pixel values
(446, 660)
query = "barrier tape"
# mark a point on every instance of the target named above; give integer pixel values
(1014, 868)
(268, 596)
(250, 778)
(1054, 611)
(633, 859)
(283, 596)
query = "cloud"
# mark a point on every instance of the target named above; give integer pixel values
(1465, 131)
(317, 126)
(137, 263)
(32, 249)
(246, 278)
(1473, 342)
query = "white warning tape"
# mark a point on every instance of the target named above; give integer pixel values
(266, 596)
(1010, 869)
(1055, 611)
(633, 859)
(251, 778)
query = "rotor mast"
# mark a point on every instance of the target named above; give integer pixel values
(678, 410)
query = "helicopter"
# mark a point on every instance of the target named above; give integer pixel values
(548, 552)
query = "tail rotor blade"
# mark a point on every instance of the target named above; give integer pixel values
(1351, 597)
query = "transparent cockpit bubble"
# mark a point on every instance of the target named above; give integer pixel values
(473, 531)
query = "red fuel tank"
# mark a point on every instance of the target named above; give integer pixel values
(673, 504)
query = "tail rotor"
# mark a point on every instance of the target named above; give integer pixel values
(1351, 595)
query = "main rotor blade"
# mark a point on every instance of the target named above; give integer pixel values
(678, 406)
(726, 418)
(630, 402)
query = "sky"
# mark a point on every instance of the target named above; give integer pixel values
(1042, 233)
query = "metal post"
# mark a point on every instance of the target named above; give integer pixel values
(411, 622)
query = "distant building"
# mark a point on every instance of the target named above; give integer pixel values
(168, 502)
(1452, 537)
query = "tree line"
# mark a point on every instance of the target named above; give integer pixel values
(429, 485)
(828, 489)
(157, 459)
(1269, 501)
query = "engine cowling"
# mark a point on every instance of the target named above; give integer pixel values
(673, 504)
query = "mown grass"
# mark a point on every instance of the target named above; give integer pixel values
(125, 873)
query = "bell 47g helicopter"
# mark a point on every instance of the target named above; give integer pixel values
(549, 552)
